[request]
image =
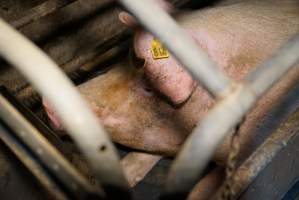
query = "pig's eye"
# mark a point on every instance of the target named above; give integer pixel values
(135, 61)
(148, 89)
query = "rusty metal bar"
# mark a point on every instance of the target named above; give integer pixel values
(28, 161)
(177, 41)
(264, 154)
(39, 11)
(75, 114)
(200, 146)
(101, 32)
(78, 10)
(42, 149)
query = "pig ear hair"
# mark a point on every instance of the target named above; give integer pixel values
(127, 19)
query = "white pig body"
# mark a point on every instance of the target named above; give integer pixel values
(237, 36)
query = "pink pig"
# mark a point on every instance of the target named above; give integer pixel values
(165, 73)
(238, 37)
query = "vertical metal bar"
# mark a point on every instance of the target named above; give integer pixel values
(200, 146)
(75, 114)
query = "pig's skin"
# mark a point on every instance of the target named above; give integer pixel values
(237, 37)
(135, 117)
(136, 166)
(167, 75)
(170, 78)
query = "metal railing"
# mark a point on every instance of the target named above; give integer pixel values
(74, 113)
(236, 98)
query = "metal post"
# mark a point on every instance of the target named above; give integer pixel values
(82, 125)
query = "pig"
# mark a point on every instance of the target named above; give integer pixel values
(136, 166)
(238, 36)
(164, 72)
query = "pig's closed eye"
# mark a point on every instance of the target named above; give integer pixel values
(148, 89)
(136, 61)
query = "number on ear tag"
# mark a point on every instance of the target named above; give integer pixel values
(158, 51)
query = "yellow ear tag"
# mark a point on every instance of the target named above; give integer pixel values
(158, 51)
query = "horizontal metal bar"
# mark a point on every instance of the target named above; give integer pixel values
(72, 13)
(200, 146)
(39, 11)
(81, 124)
(181, 46)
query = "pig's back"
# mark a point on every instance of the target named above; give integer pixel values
(270, 18)
(243, 34)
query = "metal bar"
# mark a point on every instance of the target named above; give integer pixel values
(101, 32)
(264, 154)
(39, 11)
(182, 47)
(72, 13)
(85, 66)
(42, 149)
(95, 27)
(81, 124)
(39, 173)
(200, 146)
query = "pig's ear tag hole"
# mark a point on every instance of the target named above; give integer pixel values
(158, 51)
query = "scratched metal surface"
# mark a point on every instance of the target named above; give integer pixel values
(278, 180)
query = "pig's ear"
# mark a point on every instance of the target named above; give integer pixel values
(130, 21)
(127, 19)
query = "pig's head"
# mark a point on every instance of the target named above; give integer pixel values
(135, 116)
(233, 36)
(161, 68)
